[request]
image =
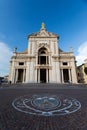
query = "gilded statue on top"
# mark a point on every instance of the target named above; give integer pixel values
(43, 26)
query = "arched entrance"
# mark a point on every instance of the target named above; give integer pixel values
(43, 56)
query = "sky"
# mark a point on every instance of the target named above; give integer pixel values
(19, 18)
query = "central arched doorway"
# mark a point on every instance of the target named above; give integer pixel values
(43, 75)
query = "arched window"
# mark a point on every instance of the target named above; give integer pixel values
(42, 56)
(42, 52)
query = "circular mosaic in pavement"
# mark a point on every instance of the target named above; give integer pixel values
(46, 104)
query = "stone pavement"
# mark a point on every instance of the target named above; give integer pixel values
(13, 119)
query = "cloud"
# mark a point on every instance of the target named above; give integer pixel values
(5, 55)
(82, 53)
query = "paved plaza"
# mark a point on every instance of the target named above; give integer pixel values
(43, 107)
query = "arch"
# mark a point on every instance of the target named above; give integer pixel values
(42, 50)
(43, 46)
(43, 56)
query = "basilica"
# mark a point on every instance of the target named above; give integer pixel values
(43, 61)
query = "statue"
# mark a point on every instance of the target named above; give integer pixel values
(15, 49)
(43, 26)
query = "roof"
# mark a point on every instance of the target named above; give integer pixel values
(43, 33)
(60, 50)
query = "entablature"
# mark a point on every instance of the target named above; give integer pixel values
(43, 66)
(20, 67)
(65, 67)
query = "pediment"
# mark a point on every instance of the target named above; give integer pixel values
(43, 33)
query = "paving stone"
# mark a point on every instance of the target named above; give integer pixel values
(11, 119)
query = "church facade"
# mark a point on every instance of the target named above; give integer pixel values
(43, 61)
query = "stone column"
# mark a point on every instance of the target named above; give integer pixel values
(23, 75)
(74, 76)
(38, 75)
(49, 60)
(62, 76)
(27, 72)
(50, 75)
(13, 72)
(36, 59)
(70, 78)
(47, 75)
(16, 75)
(46, 60)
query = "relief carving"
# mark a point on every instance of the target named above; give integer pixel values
(43, 45)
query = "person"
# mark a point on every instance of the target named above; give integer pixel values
(10, 82)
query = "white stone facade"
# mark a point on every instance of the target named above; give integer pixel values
(43, 61)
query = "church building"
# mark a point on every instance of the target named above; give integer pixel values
(43, 61)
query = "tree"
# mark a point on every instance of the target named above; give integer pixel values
(85, 70)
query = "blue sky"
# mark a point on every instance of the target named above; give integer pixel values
(18, 18)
